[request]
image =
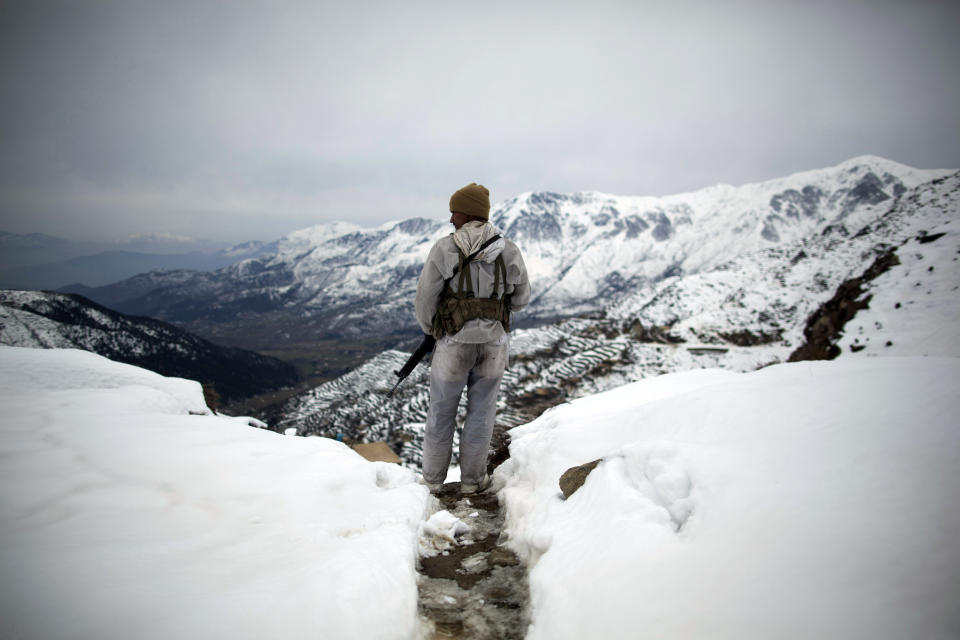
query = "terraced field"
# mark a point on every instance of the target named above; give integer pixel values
(548, 366)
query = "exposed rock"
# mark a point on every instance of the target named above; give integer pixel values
(664, 229)
(658, 334)
(635, 225)
(499, 448)
(925, 238)
(503, 557)
(825, 325)
(795, 203)
(868, 191)
(746, 338)
(574, 477)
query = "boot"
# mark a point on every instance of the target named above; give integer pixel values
(470, 489)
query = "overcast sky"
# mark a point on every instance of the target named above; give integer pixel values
(237, 120)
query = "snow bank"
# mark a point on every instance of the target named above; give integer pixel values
(441, 533)
(801, 500)
(37, 371)
(124, 516)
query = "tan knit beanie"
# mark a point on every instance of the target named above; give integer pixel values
(472, 200)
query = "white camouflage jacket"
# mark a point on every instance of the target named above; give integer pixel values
(443, 259)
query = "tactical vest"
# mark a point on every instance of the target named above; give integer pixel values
(457, 307)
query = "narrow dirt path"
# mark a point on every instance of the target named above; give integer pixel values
(476, 589)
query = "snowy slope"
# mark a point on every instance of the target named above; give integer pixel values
(46, 320)
(803, 500)
(915, 307)
(128, 511)
(586, 246)
(583, 250)
(771, 293)
(329, 280)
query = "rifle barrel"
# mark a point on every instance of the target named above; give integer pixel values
(426, 346)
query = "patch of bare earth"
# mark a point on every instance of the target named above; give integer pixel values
(478, 589)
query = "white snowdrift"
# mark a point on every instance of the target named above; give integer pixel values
(124, 516)
(441, 533)
(809, 500)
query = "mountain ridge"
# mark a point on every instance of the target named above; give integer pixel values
(583, 250)
(894, 280)
(49, 320)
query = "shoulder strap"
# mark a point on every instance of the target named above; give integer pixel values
(464, 275)
(466, 272)
(475, 253)
(498, 267)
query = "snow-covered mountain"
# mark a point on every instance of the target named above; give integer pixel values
(767, 296)
(583, 250)
(887, 284)
(44, 320)
(812, 497)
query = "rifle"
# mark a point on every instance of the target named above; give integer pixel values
(428, 340)
(425, 347)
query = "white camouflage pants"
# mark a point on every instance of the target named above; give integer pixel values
(480, 368)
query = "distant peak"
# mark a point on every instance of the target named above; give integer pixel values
(874, 162)
(323, 231)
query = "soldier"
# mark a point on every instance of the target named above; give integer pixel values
(472, 280)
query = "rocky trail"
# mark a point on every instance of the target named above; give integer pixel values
(470, 585)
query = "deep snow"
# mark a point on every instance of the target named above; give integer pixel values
(124, 516)
(807, 499)
(802, 500)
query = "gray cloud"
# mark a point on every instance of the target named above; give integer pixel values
(239, 120)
